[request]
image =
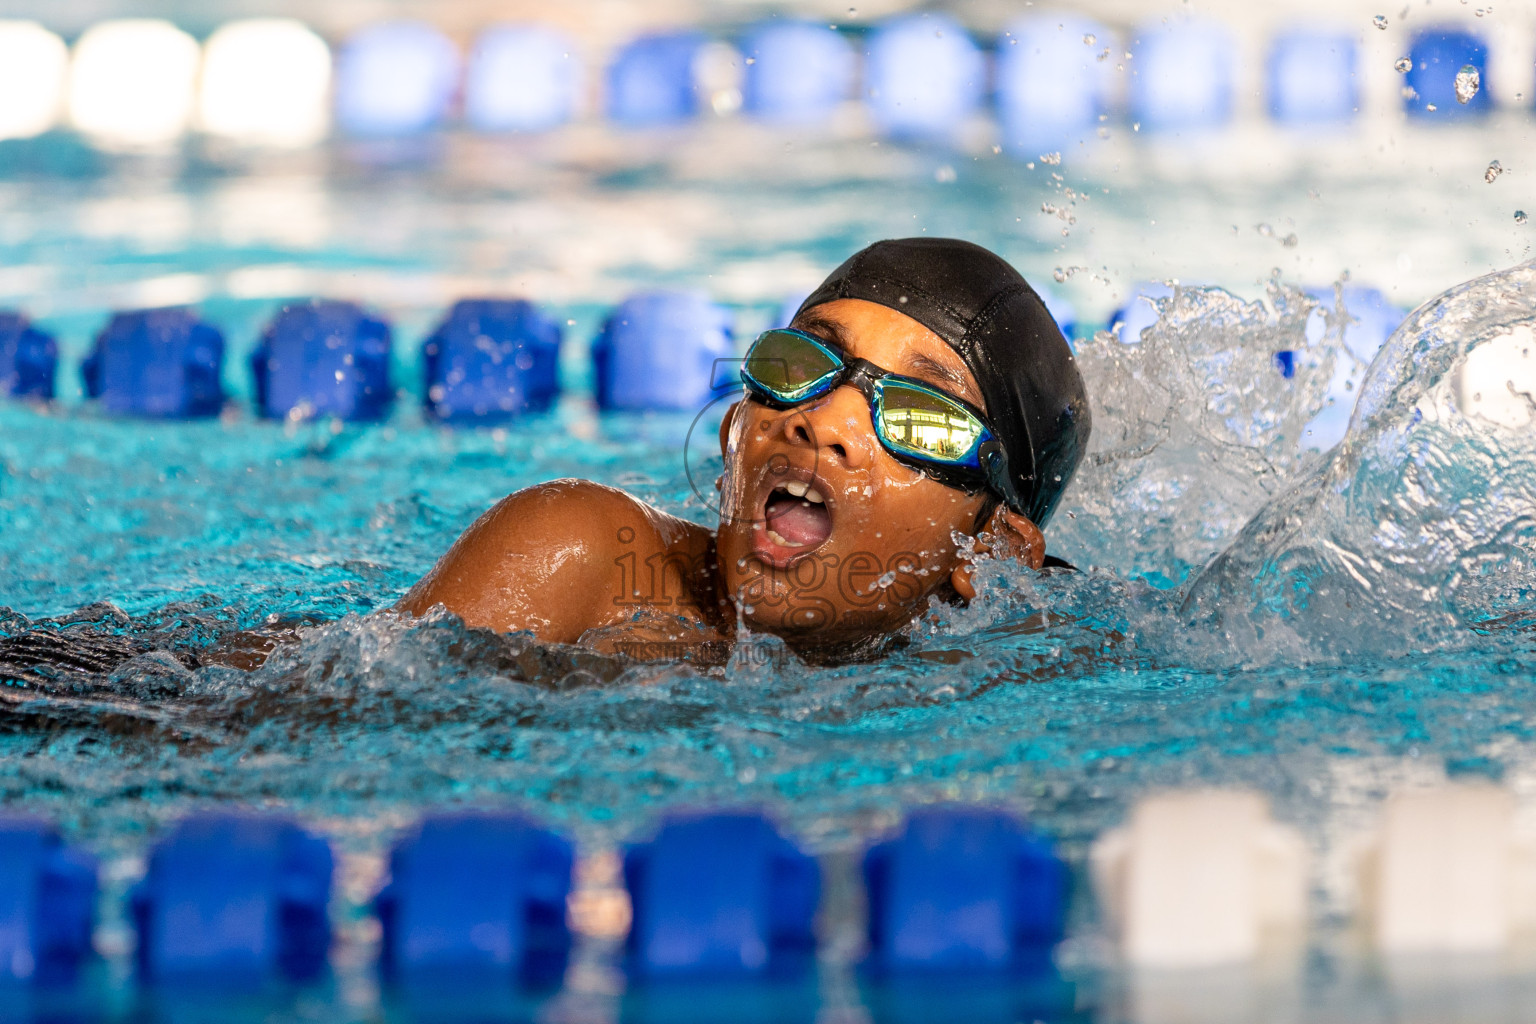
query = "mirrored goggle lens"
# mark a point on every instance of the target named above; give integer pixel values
(788, 364)
(927, 424)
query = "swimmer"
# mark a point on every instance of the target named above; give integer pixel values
(921, 410)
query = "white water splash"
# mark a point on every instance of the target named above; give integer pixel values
(1420, 528)
(1194, 429)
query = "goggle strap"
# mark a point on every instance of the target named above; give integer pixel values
(995, 462)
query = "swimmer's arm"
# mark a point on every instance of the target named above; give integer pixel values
(548, 559)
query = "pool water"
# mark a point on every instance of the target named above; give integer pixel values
(1322, 627)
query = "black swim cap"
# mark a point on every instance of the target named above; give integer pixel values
(990, 315)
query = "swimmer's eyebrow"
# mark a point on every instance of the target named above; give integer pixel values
(919, 365)
(924, 366)
(823, 328)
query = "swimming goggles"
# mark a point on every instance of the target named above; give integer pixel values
(947, 438)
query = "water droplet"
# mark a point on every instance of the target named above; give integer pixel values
(1380, 21)
(1090, 39)
(853, 12)
(1493, 171)
(1050, 158)
(1520, 217)
(1467, 83)
(1404, 64)
(1290, 241)
(1431, 107)
(1264, 230)
(1061, 275)
(997, 149)
(944, 175)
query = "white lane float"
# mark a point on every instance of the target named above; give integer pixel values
(266, 81)
(132, 82)
(1447, 871)
(34, 64)
(1201, 879)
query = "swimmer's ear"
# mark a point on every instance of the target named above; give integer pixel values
(1008, 534)
(725, 424)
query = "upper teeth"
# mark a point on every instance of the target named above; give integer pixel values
(805, 491)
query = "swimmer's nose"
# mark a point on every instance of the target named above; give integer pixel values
(838, 426)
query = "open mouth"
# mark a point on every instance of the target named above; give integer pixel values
(796, 519)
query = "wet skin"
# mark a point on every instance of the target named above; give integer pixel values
(577, 562)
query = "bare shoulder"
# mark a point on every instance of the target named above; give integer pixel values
(560, 558)
(579, 516)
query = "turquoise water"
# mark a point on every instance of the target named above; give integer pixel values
(1369, 628)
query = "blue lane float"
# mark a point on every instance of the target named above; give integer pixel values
(47, 904)
(720, 895)
(1182, 76)
(29, 359)
(164, 363)
(964, 890)
(477, 898)
(234, 900)
(662, 350)
(796, 71)
(521, 78)
(1312, 78)
(1053, 83)
(491, 360)
(651, 80)
(323, 358)
(923, 76)
(395, 78)
(1439, 55)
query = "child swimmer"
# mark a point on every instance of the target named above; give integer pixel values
(923, 407)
